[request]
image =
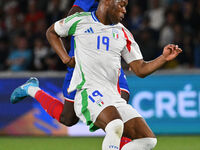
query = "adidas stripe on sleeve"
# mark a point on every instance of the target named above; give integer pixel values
(67, 26)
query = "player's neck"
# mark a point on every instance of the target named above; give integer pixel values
(101, 14)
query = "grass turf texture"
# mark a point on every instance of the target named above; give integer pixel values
(66, 143)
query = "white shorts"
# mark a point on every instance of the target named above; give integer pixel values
(89, 103)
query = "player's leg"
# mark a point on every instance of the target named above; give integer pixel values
(68, 116)
(62, 113)
(94, 107)
(136, 128)
(110, 121)
(31, 88)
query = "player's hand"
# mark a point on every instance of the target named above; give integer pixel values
(71, 63)
(171, 51)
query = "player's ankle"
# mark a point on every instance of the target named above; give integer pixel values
(32, 90)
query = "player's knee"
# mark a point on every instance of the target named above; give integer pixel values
(116, 126)
(68, 120)
(150, 143)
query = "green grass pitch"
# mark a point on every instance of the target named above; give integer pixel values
(92, 143)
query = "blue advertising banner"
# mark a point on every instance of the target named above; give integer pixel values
(169, 103)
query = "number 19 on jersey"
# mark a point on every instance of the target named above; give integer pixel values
(104, 40)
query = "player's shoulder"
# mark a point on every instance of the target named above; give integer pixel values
(78, 16)
(126, 31)
(81, 14)
(120, 25)
(123, 28)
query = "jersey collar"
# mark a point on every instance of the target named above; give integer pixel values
(94, 17)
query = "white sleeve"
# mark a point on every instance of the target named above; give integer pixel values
(131, 51)
(63, 27)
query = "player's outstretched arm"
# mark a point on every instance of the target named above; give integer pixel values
(142, 68)
(57, 44)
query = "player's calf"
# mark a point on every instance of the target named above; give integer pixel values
(141, 144)
(137, 129)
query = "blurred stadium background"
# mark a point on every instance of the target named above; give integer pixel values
(169, 99)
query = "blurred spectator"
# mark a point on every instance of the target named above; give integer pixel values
(2, 27)
(147, 45)
(29, 33)
(11, 11)
(135, 18)
(178, 40)
(52, 62)
(40, 29)
(197, 52)
(176, 8)
(13, 19)
(2, 23)
(4, 51)
(60, 5)
(20, 57)
(147, 40)
(188, 50)
(15, 29)
(40, 53)
(178, 35)
(189, 19)
(167, 32)
(42, 4)
(156, 15)
(197, 15)
(54, 11)
(33, 15)
(167, 36)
